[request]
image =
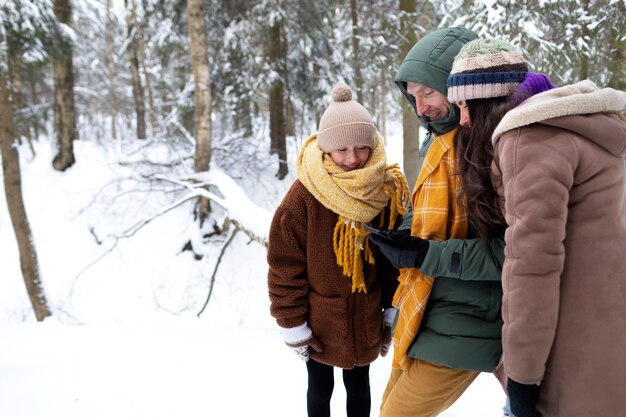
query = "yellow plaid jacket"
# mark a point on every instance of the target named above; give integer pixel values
(437, 215)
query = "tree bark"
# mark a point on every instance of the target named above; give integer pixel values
(202, 91)
(13, 189)
(15, 67)
(383, 85)
(278, 128)
(410, 124)
(64, 114)
(142, 60)
(617, 52)
(112, 98)
(138, 97)
(356, 63)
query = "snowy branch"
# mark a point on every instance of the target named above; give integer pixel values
(245, 215)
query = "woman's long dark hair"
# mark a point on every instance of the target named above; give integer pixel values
(474, 156)
(475, 153)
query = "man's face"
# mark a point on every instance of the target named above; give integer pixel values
(428, 102)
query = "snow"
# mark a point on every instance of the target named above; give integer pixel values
(125, 339)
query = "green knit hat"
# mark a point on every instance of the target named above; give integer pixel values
(486, 68)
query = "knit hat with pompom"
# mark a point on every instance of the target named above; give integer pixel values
(345, 122)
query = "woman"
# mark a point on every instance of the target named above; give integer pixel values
(558, 169)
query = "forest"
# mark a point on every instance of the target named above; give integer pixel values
(178, 89)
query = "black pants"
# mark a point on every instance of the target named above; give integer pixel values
(321, 384)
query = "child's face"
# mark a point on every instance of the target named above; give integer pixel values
(351, 157)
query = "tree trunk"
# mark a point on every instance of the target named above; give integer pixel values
(356, 63)
(15, 65)
(140, 107)
(410, 124)
(39, 122)
(64, 115)
(383, 85)
(617, 48)
(383, 106)
(278, 133)
(142, 60)
(202, 91)
(15, 202)
(112, 98)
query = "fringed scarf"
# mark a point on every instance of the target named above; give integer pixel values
(437, 215)
(357, 196)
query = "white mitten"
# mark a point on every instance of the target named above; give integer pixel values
(299, 339)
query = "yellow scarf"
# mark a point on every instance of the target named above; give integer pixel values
(437, 215)
(357, 197)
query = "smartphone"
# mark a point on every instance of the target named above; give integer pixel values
(375, 231)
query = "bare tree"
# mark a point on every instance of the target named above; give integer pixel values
(356, 62)
(62, 64)
(383, 83)
(202, 95)
(110, 63)
(617, 48)
(140, 107)
(15, 202)
(142, 60)
(278, 124)
(410, 129)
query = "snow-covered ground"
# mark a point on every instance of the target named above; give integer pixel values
(125, 339)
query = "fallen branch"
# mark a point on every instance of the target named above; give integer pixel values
(198, 190)
(217, 264)
(130, 232)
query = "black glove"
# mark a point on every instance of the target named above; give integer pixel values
(523, 399)
(387, 340)
(402, 249)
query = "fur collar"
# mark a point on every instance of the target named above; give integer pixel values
(583, 97)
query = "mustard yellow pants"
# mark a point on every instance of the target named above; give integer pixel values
(425, 389)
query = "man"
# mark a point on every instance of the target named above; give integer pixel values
(448, 326)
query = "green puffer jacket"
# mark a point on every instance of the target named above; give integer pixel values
(462, 325)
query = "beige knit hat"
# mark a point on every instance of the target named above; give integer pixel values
(345, 122)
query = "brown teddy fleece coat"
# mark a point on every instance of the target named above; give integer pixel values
(559, 165)
(306, 284)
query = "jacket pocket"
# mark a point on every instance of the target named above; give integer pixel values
(373, 320)
(328, 319)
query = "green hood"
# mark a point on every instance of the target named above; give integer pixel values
(429, 62)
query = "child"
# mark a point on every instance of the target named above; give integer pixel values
(327, 286)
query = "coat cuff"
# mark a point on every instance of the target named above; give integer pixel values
(296, 334)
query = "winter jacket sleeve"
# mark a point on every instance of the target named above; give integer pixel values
(536, 173)
(286, 256)
(467, 259)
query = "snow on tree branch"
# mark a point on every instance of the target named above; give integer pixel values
(242, 212)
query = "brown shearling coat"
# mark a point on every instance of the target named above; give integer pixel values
(306, 284)
(559, 166)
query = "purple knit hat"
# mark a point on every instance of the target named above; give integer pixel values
(534, 83)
